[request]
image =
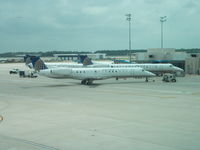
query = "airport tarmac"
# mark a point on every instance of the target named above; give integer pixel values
(61, 114)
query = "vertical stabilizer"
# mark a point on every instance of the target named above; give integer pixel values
(34, 62)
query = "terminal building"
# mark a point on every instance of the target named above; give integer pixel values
(190, 62)
(74, 57)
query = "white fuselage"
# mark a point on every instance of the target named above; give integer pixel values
(73, 65)
(95, 73)
(156, 68)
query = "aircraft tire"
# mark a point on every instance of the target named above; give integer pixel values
(173, 80)
(83, 82)
(89, 82)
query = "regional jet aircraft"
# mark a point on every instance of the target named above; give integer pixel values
(88, 75)
(155, 68)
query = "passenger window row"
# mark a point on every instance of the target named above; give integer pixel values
(103, 71)
(142, 66)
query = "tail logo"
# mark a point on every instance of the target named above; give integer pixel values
(34, 62)
(39, 65)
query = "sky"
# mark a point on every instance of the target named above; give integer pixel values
(91, 25)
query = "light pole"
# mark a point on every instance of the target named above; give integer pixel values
(162, 19)
(129, 20)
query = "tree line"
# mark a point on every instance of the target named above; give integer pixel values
(107, 52)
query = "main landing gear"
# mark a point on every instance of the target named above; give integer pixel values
(86, 82)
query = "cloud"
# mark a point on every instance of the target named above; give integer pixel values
(94, 25)
(94, 10)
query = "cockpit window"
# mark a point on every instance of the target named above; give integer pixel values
(170, 66)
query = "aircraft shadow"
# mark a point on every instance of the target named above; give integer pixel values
(93, 85)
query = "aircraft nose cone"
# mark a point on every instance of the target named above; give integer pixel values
(179, 69)
(151, 74)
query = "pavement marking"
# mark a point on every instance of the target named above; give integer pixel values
(37, 145)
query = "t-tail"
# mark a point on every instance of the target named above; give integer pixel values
(85, 60)
(34, 62)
